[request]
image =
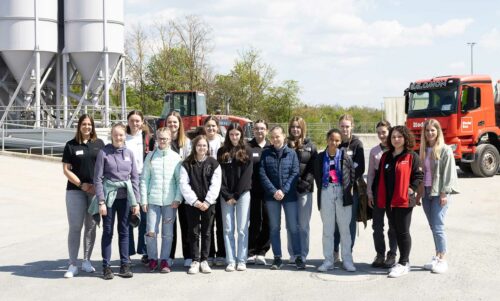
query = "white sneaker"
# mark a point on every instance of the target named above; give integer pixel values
(399, 270)
(430, 265)
(241, 267)
(194, 268)
(170, 262)
(336, 257)
(260, 259)
(230, 267)
(252, 259)
(87, 266)
(187, 262)
(72, 271)
(349, 266)
(325, 266)
(205, 268)
(441, 267)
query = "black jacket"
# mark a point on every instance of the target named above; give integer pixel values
(347, 177)
(355, 146)
(255, 155)
(236, 176)
(306, 154)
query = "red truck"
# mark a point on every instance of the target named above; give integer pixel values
(192, 106)
(468, 108)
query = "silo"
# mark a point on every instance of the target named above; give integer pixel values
(28, 38)
(94, 40)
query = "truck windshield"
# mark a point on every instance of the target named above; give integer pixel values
(441, 102)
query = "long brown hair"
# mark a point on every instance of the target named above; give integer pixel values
(181, 134)
(406, 133)
(145, 128)
(228, 150)
(192, 156)
(297, 142)
(78, 135)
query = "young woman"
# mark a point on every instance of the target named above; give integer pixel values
(182, 145)
(200, 183)
(306, 153)
(140, 142)
(215, 141)
(355, 150)
(117, 190)
(378, 214)
(279, 171)
(160, 197)
(440, 180)
(237, 168)
(258, 232)
(397, 180)
(78, 166)
(334, 175)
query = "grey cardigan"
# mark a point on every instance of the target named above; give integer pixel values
(444, 173)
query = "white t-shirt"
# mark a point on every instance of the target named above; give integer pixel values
(214, 145)
(135, 144)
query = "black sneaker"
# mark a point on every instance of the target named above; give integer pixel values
(379, 261)
(299, 263)
(107, 273)
(390, 261)
(125, 271)
(145, 259)
(277, 263)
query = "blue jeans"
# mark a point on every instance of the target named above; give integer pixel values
(291, 218)
(165, 215)
(239, 215)
(435, 216)
(352, 224)
(304, 208)
(121, 208)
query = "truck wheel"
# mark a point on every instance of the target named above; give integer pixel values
(487, 160)
(465, 167)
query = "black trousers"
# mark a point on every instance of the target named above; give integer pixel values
(186, 251)
(400, 220)
(217, 247)
(200, 223)
(258, 231)
(379, 233)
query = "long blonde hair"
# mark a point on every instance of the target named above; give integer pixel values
(438, 146)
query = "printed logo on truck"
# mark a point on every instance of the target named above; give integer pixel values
(467, 124)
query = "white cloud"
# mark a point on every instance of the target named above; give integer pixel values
(453, 27)
(490, 40)
(458, 66)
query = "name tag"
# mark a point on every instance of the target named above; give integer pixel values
(349, 152)
(127, 159)
(255, 155)
(79, 152)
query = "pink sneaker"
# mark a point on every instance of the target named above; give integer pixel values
(164, 267)
(153, 265)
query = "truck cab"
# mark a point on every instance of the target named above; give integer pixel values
(467, 108)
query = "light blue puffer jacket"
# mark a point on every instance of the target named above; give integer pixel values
(160, 178)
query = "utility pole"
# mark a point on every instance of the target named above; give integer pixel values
(471, 44)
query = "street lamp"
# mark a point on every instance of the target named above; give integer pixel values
(471, 44)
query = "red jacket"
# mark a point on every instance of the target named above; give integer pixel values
(405, 173)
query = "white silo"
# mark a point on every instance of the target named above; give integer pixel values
(94, 41)
(28, 42)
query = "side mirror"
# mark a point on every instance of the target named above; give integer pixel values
(407, 100)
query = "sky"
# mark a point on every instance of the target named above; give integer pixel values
(343, 52)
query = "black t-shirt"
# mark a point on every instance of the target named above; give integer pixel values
(82, 159)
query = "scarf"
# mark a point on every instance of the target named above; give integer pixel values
(326, 167)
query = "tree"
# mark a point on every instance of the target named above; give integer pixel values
(282, 100)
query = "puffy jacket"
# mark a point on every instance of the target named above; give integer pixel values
(160, 178)
(279, 169)
(348, 172)
(306, 155)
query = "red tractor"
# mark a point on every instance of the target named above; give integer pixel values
(192, 106)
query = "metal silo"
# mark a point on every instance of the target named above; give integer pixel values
(28, 42)
(94, 42)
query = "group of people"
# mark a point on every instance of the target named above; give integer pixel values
(229, 193)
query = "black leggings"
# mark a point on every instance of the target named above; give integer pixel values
(400, 220)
